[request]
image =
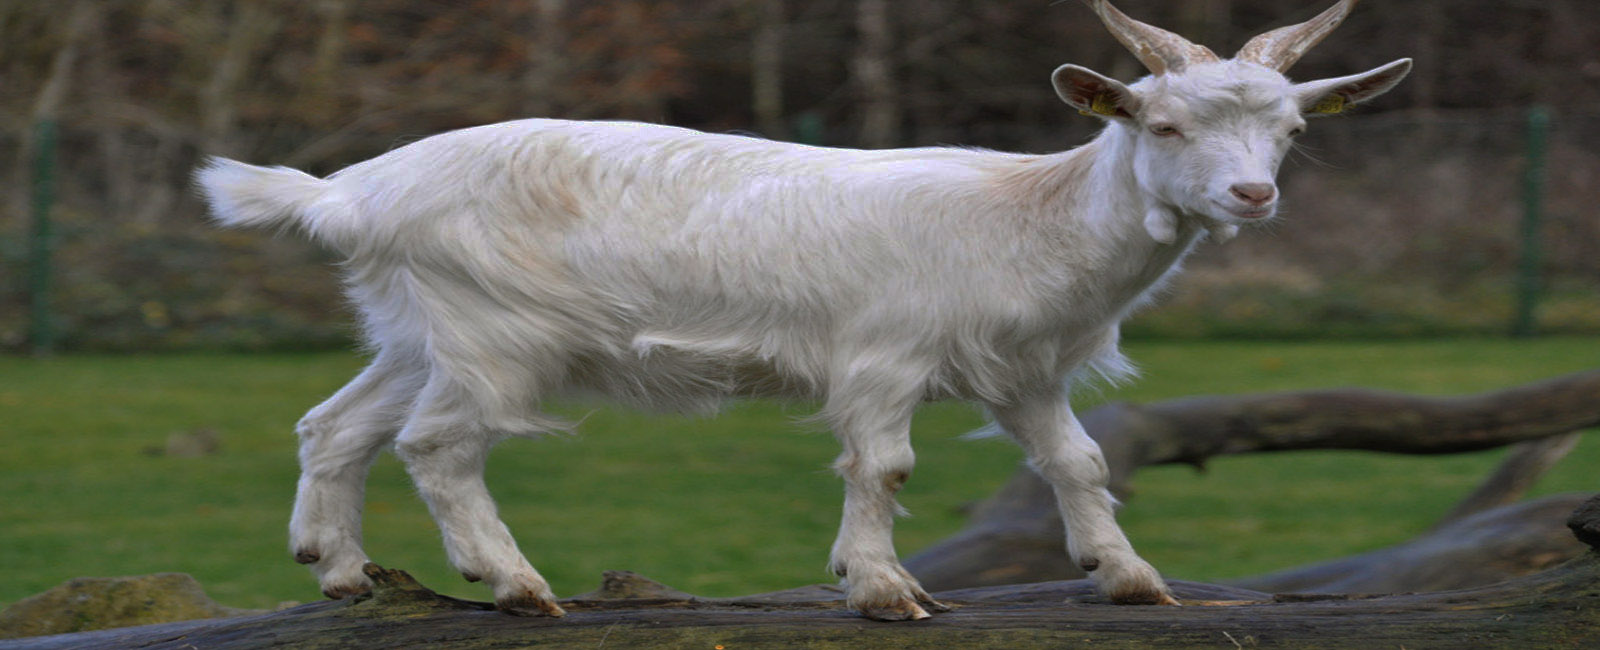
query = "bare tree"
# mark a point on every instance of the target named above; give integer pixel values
(873, 69)
(1207, 21)
(47, 104)
(322, 87)
(766, 67)
(252, 24)
(547, 58)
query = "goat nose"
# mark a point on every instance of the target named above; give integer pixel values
(1255, 193)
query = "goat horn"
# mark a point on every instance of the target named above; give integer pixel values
(1158, 49)
(1280, 48)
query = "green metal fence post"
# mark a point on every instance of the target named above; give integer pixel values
(41, 324)
(1532, 222)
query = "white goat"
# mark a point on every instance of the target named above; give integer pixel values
(498, 265)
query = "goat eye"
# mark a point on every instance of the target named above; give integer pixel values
(1164, 130)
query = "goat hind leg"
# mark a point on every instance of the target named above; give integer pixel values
(338, 441)
(445, 453)
(1066, 457)
(876, 462)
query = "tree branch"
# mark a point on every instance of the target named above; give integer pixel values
(1015, 535)
(1524, 463)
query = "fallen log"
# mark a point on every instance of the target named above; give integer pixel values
(1555, 608)
(1482, 549)
(1015, 535)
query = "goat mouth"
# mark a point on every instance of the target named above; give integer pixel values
(1250, 213)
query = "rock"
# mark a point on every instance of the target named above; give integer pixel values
(1585, 522)
(626, 585)
(83, 604)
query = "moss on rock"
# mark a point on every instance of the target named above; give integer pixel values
(83, 604)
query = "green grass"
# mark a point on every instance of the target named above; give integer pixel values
(735, 504)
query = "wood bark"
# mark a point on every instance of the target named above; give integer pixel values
(1016, 534)
(1555, 608)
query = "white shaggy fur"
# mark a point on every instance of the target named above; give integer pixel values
(671, 269)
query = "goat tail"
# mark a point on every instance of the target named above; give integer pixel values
(251, 196)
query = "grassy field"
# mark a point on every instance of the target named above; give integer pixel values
(736, 504)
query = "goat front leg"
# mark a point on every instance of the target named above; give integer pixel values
(876, 462)
(444, 448)
(338, 441)
(1069, 460)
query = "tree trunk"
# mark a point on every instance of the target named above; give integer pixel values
(766, 68)
(1555, 608)
(119, 199)
(1207, 22)
(1423, 34)
(253, 23)
(547, 59)
(47, 104)
(322, 88)
(874, 76)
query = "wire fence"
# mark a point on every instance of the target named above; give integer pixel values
(1399, 224)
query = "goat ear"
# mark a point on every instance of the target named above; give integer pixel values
(1333, 96)
(1094, 94)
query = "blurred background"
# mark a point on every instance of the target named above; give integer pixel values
(1404, 218)
(1418, 232)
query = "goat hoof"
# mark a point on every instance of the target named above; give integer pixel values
(901, 610)
(306, 557)
(933, 605)
(346, 591)
(1132, 582)
(529, 605)
(1144, 597)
